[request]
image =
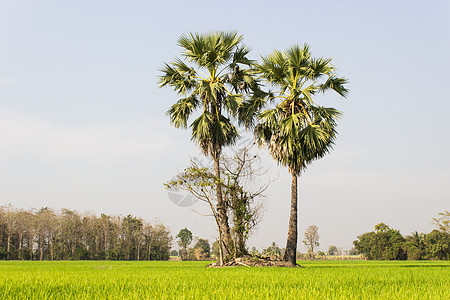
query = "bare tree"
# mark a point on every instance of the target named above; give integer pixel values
(311, 240)
(9, 219)
(240, 172)
(21, 228)
(240, 200)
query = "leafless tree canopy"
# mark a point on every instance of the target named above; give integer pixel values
(311, 240)
(46, 234)
(241, 192)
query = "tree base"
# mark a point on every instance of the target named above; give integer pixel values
(253, 261)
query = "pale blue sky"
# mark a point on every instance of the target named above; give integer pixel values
(83, 126)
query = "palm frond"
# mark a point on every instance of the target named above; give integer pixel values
(182, 80)
(232, 103)
(201, 127)
(320, 67)
(336, 84)
(179, 112)
(224, 131)
(250, 108)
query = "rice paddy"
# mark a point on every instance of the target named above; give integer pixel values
(192, 280)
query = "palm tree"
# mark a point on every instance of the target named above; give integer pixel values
(417, 241)
(212, 78)
(297, 130)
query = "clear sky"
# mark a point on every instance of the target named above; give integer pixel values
(83, 126)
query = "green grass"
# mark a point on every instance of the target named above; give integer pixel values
(192, 280)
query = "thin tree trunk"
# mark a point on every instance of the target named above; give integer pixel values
(8, 243)
(106, 241)
(73, 248)
(222, 213)
(41, 248)
(50, 239)
(291, 245)
(138, 250)
(128, 249)
(20, 246)
(30, 246)
(149, 249)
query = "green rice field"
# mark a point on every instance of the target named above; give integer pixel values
(192, 280)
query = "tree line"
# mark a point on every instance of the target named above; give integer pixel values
(46, 234)
(385, 243)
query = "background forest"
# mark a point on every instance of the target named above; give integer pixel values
(46, 234)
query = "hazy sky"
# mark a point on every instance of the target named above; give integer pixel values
(83, 126)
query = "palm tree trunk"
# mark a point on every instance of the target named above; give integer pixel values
(222, 214)
(291, 245)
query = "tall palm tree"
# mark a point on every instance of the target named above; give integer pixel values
(211, 78)
(297, 130)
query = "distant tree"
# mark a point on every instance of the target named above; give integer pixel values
(353, 251)
(131, 231)
(203, 244)
(202, 249)
(148, 237)
(415, 244)
(89, 240)
(382, 244)
(437, 245)
(333, 250)
(104, 229)
(25, 233)
(184, 239)
(45, 221)
(72, 230)
(381, 227)
(321, 254)
(215, 251)
(443, 222)
(311, 240)
(161, 242)
(273, 251)
(255, 251)
(173, 253)
(9, 221)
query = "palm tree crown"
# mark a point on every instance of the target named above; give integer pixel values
(215, 83)
(297, 130)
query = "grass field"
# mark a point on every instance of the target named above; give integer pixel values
(192, 280)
